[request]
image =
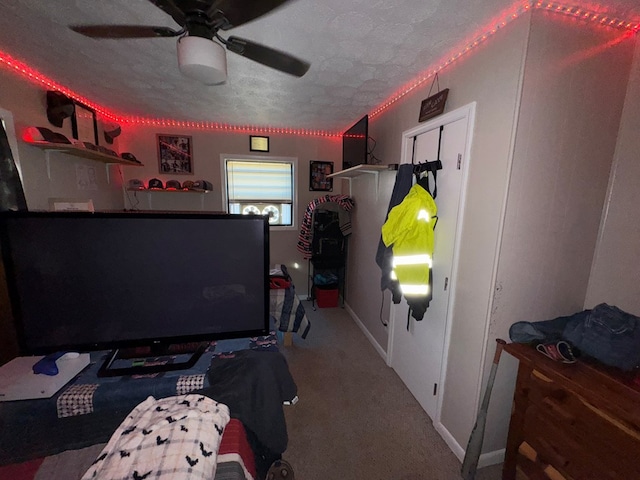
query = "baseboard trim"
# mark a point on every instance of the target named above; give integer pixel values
(366, 332)
(451, 442)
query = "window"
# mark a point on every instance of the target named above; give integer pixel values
(261, 186)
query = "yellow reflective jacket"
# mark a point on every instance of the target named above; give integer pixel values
(409, 231)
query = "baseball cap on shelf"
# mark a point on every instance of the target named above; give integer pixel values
(107, 151)
(173, 185)
(111, 131)
(202, 185)
(156, 183)
(187, 185)
(134, 183)
(129, 156)
(42, 134)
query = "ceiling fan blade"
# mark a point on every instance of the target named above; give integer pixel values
(170, 7)
(124, 31)
(268, 56)
(238, 12)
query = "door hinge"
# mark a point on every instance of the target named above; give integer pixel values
(446, 283)
(459, 161)
(435, 388)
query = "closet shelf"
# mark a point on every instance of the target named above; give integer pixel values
(82, 152)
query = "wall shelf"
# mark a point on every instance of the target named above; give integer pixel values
(353, 172)
(363, 169)
(82, 152)
(154, 190)
(149, 191)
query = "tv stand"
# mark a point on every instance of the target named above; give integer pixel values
(157, 350)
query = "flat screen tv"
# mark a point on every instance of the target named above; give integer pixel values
(94, 281)
(354, 144)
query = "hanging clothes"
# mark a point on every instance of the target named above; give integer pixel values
(384, 254)
(305, 238)
(409, 231)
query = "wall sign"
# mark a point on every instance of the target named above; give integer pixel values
(433, 106)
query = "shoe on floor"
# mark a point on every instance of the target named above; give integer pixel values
(280, 470)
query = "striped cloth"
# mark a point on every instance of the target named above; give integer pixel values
(306, 228)
(285, 306)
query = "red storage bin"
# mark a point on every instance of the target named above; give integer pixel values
(326, 297)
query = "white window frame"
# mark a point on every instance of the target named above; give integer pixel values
(263, 158)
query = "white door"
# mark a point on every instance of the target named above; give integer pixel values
(416, 352)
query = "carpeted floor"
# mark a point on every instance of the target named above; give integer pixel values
(355, 419)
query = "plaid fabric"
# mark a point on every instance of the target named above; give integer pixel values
(76, 400)
(174, 438)
(189, 383)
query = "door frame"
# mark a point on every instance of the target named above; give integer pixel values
(467, 112)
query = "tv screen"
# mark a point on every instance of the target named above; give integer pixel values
(354, 144)
(93, 281)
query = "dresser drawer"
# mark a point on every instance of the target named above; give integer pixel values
(580, 421)
(576, 437)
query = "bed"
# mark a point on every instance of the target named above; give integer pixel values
(88, 410)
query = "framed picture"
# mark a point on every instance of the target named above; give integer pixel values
(318, 172)
(258, 144)
(174, 154)
(84, 126)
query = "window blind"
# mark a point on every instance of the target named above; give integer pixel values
(259, 181)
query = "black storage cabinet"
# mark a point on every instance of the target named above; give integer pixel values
(328, 256)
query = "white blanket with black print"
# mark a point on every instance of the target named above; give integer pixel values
(170, 438)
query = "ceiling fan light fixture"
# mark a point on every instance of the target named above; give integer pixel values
(202, 59)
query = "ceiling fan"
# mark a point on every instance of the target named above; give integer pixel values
(201, 54)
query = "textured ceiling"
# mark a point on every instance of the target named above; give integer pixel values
(361, 52)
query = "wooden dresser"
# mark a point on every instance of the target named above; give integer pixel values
(572, 421)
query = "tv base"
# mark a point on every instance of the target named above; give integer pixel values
(108, 370)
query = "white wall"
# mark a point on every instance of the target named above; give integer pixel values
(27, 102)
(490, 75)
(207, 147)
(57, 178)
(615, 277)
(563, 153)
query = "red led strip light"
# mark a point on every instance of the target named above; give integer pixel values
(503, 19)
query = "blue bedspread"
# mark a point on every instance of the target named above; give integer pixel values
(88, 409)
